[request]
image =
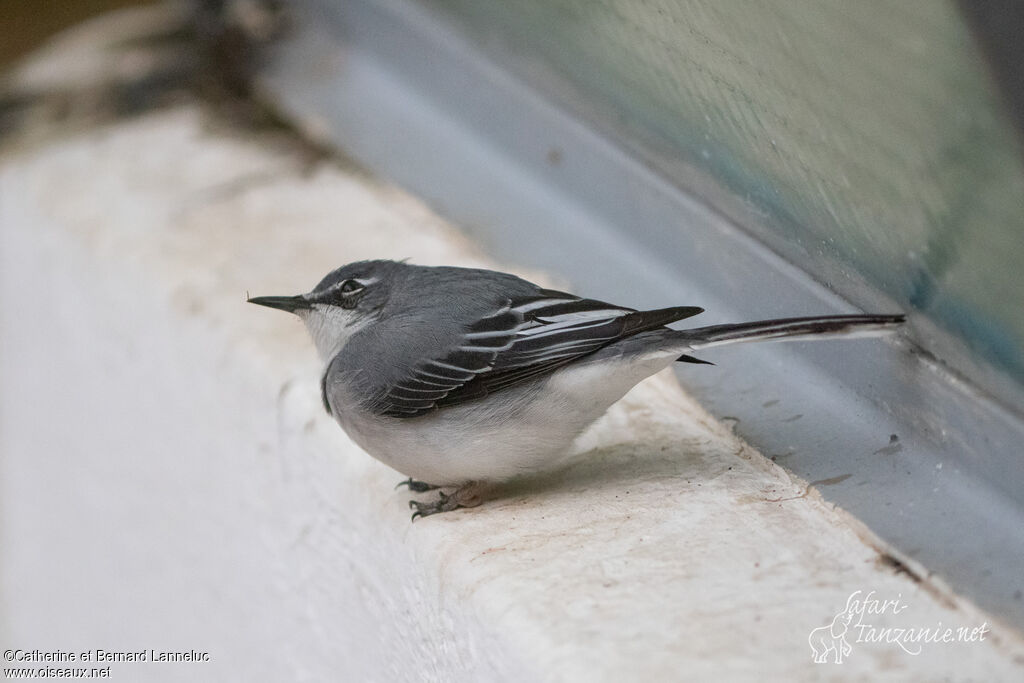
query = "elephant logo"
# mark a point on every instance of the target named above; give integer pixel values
(831, 639)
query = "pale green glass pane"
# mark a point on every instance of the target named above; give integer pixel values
(868, 134)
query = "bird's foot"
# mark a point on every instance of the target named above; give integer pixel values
(444, 503)
(466, 496)
(416, 486)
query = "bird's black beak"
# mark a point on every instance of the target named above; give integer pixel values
(291, 304)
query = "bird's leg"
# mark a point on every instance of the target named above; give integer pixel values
(416, 486)
(466, 496)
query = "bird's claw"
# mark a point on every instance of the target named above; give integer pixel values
(444, 503)
(416, 486)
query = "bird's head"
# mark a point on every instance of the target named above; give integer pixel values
(347, 300)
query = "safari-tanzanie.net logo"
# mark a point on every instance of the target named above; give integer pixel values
(866, 619)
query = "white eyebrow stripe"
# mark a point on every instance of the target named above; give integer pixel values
(363, 281)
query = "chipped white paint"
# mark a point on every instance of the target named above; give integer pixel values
(170, 481)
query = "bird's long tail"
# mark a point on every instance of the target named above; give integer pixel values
(786, 329)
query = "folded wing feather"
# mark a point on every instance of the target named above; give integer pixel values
(524, 339)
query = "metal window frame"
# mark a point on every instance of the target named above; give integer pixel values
(525, 166)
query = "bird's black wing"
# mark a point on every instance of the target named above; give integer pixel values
(526, 338)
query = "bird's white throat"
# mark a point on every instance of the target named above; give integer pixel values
(331, 327)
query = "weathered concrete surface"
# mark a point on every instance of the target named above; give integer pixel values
(169, 481)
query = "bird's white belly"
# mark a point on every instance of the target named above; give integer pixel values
(432, 450)
(529, 429)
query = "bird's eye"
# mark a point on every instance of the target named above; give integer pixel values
(351, 287)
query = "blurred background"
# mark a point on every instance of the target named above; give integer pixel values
(27, 24)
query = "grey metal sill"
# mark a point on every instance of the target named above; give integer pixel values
(407, 95)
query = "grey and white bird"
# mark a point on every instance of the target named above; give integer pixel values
(459, 377)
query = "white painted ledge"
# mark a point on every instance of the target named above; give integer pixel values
(169, 481)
